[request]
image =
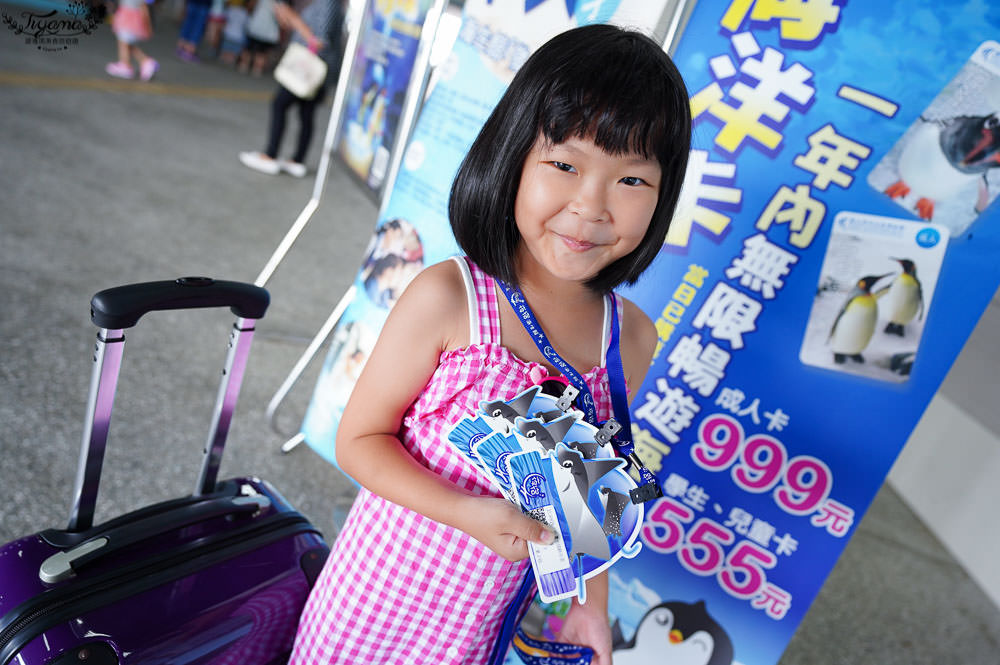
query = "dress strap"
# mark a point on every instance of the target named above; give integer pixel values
(484, 313)
(470, 299)
(606, 331)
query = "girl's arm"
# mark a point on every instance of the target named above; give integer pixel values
(587, 624)
(430, 317)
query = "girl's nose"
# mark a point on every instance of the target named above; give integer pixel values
(589, 202)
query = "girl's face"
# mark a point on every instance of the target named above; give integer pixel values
(578, 208)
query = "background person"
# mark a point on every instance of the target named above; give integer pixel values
(319, 27)
(192, 29)
(234, 36)
(131, 24)
(263, 33)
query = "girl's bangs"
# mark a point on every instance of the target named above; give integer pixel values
(617, 123)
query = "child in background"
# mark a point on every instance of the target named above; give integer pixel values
(131, 24)
(319, 27)
(566, 193)
(192, 29)
(216, 22)
(234, 33)
(262, 36)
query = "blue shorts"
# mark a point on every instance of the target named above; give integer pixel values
(233, 46)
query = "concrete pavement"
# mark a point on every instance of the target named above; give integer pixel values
(106, 182)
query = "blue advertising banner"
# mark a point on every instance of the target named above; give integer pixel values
(412, 229)
(836, 243)
(376, 90)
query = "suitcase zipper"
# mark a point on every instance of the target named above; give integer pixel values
(33, 617)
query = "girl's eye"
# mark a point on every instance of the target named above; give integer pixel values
(563, 166)
(633, 181)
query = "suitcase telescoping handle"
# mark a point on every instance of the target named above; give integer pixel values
(115, 309)
(122, 306)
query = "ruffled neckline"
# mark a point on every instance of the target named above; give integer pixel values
(529, 366)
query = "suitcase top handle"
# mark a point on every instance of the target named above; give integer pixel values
(122, 306)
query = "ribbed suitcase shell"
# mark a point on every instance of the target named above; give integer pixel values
(217, 577)
(225, 590)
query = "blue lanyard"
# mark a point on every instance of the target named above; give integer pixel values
(649, 489)
(622, 441)
(527, 319)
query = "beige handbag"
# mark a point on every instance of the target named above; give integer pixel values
(301, 71)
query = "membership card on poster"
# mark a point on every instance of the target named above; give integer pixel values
(874, 295)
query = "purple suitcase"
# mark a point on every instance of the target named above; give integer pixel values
(218, 577)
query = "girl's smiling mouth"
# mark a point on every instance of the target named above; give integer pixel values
(577, 245)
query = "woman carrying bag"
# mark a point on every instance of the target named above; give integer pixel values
(318, 28)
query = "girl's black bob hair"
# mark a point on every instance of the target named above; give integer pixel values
(612, 85)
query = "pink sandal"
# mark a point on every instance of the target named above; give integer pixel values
(119, 70)
(148, 68)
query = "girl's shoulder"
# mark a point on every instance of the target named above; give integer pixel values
(639, 338)
(440, 281)
(436, 300)
(635, 321)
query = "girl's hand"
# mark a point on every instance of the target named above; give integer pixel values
(587, 625)
(502, 527)
(315, 44)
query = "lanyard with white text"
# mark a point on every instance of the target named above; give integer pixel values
(618, 430)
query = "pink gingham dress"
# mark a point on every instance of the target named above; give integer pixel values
(399, 587)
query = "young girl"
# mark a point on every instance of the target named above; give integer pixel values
(263, 32)
(131, 24)
(566, 193)
(234, 33)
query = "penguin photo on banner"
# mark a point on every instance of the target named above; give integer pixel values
(943, 158)
(854, 326)
(873, 295)
(945, 168)
(902, 300)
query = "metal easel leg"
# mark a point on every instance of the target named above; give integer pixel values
(289, 445)
(301, 365)
(339, 101)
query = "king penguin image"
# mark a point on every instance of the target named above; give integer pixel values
(942, 156)
(855, 323)
(903, 299)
